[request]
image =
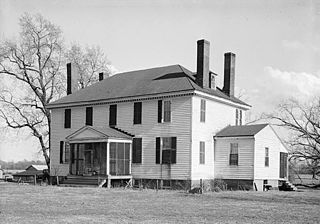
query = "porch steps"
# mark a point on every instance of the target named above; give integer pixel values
(82, 181)
(287, 186)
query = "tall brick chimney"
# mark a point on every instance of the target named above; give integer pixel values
(229, 73)
(72, 81)
(203, 54)
(100, 76)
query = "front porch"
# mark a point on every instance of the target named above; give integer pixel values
(97, 156)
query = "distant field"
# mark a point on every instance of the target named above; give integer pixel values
(306, 179)
(39, 204)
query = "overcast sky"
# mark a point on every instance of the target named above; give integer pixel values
(277, 43)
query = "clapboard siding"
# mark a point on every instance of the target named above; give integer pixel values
(267, 138)
(218, 116)
(244, 170)
(148, 131)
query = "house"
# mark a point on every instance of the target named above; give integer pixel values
(156, 125)
(31, 173)
(250, 155)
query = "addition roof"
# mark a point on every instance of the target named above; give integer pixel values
(238, 131)
(168, 79)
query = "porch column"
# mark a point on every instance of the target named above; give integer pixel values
(108, 159)
(130, 156)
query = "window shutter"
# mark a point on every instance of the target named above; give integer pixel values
(72, 153)
(157, 150)
(67, 118)
(174, 150)
(89, 116)
(137, 113)
(137, 150)
(113, 115)
(61, 151)
(159, 111)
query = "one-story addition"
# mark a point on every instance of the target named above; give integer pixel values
(163, 125)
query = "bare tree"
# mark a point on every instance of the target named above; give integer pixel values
(88, 62)
(33, 71)
(33, 64)
(303, 120)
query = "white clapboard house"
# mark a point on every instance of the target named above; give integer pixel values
(164, 125)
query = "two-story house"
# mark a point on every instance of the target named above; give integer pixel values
(151, 125)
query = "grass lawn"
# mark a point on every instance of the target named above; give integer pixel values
(40, 204)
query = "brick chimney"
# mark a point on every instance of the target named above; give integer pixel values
(71, 79)
(229, 73)
(203, 54)
(100, 76)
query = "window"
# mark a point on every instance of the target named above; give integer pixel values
(203, 111)
(67, 153)
(237, 117)
(137, 113)
(240, 117)
(234, 156)
(202, 153)
(167, 111)
(89, 115)
(113, 115)
(67, 118)
(136, 150)
(266, 159)
(166, 149)
(119, 158)
(164, 115)
(61, 151)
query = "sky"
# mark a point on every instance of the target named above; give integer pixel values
(277, 43)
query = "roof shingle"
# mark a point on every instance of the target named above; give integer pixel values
(237, 131)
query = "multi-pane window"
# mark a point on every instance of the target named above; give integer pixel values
(164, 111)
(203, 111)
(234, 154)
(89, 116)
(166, 149)
(240, 117)
(266, 158)
(237, 117)
(202, 153)
(67, 118)
(137, 113)
(136, 150)
(167, 111)
(113, 115)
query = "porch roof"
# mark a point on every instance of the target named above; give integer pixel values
(91, 132)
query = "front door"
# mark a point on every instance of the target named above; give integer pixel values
(88, 160)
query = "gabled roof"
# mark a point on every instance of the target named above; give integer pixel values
(88, 132)
(29, 173)
(37, 167)
(238, 131)
(168, 79)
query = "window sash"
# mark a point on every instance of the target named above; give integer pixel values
(166, 150)
(137, 150)
(202, 153)
(237, 117)
(234, 154)
(203, 111)
(166, 111)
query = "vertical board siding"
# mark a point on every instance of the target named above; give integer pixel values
(217, 116)
(244, 170)
(148, 130)
(267, 138)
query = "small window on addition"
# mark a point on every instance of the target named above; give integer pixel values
(234, 155)
(266, 160)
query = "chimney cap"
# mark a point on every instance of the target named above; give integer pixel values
(231, 53)
(204, 41)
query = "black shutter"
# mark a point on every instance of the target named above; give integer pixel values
(89, 116)
(159, 111)
(67, 118)
(113, 115)
(137, 109)
(72, 153)
(174, 150)
(157, 150)
(61, 151)
(136, 150)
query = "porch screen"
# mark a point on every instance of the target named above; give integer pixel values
(119, 158)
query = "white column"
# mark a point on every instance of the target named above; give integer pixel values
(108, 158)
(130, 156)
